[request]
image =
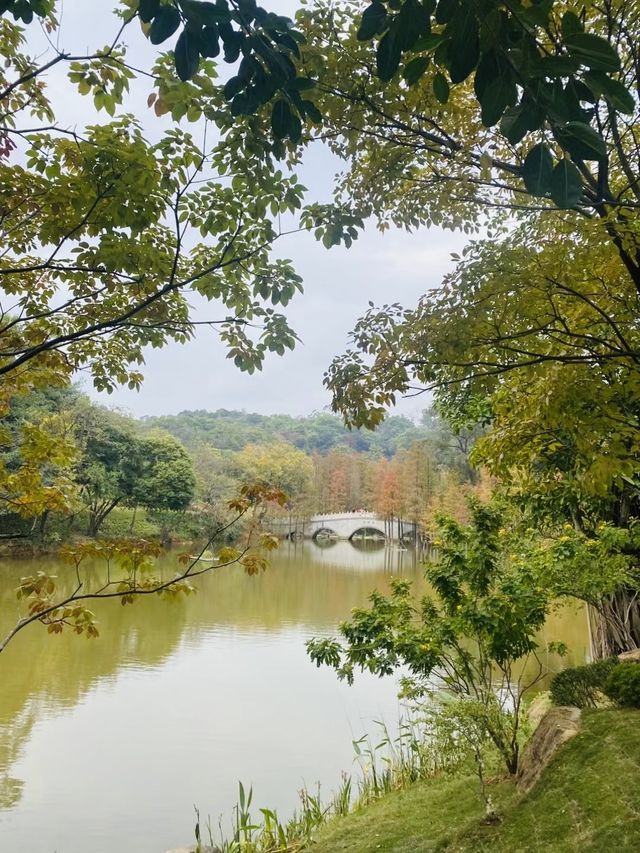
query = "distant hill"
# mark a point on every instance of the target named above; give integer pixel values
(316, 433)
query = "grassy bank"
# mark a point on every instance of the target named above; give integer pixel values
(587, 799)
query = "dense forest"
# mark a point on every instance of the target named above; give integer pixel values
(317, 433)
(173, 476)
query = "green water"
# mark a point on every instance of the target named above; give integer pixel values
(106, 745)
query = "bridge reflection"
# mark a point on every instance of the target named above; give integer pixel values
(361, 556)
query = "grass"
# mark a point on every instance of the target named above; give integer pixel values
(587, 799)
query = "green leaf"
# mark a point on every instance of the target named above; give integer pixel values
(303, 84)
(164, 25)
(613, 90)
(233, 86)
(464, 48)
(374, 20)
(554, 66)
(593, 51)
(295, 129)
(537, 14)
(490, 66)
(388, 55)
(411, 23)
(498, 95)
(187, 55)
(441, 88)
(209, 42)
(427, 44)
(148, 9)
(565, 186)
(582, 141)
(414, 70)
(204, 14)
(312, 112)
(512, 125)
(445, 10)
(518, 121)
(232, 45)
(537, 170)
(281, 119)
(571, 24)
(244, 104)
(583, 92)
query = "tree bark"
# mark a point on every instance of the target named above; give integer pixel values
(616, 624)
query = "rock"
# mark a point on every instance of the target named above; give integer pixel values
(538, 708)
(630, 657)
(556, 727)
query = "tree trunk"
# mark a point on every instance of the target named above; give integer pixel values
(616, 624)
(97, 515)
(94, 524)
(43, 521)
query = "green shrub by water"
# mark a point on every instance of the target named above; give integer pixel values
(581, 685)
(121, 523)
(623, 685)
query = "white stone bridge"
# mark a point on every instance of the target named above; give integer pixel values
(345, 525)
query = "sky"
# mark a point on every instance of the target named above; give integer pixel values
(338, 283)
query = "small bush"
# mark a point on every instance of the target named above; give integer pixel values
(117, 525)
(580, 685)
(623, 685)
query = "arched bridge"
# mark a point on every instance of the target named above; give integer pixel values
(345, 525)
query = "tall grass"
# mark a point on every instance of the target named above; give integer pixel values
(389, 764)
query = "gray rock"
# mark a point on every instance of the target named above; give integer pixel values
(630, 657)
(538, 708)
(556, 727)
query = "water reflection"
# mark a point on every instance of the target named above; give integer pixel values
(106, 744)
(358, 556)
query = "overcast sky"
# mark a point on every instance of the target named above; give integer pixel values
(338, 283)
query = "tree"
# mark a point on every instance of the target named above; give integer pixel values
(451, 447)
(110, 466)
(525, 301)
(106, 234)
(167, 480)
(118, 465)
(417, 480)
(387, 495)
(337, 496)
(425, 147)
(36, 453)
(540, 343)
(267, 43)
(464, 639)
(280, 465)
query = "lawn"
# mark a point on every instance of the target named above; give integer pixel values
(587, 799)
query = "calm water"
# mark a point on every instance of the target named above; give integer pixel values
(106, 745)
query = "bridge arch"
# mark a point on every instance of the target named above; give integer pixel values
(368, 531)
(324, 533)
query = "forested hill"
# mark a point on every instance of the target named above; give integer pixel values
(316, 433)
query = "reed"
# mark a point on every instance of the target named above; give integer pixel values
(390, 763)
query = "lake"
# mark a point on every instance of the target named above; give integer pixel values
(106, 745)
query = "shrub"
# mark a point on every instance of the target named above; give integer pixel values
(580, 685)
(623, 685)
